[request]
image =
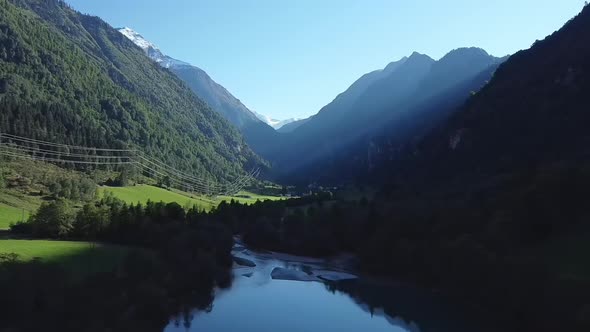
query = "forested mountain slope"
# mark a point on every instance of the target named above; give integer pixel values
(499, 190)
(533, 112)
(375, 155)
(216, 95)
(395, 105)
(71, 78)
(256, 132)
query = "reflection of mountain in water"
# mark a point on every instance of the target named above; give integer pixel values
(413, 309)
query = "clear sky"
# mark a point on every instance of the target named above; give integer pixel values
(288, 58)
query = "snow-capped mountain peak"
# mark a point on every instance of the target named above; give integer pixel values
(214, 94)
(150, 49)
(276, 124)
(137, 39)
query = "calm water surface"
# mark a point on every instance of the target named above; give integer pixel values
(256, 302)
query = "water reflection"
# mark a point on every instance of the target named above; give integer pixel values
(412, 308)
(280, 305)
(256, 302)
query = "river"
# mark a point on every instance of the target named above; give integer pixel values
(292, 294)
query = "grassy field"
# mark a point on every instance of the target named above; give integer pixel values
(247, 198)
(12, 206)
(79, 257)
(143, 193)
(9, 214)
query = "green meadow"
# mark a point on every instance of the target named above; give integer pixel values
(16, 206)
(143, 193)
(79, 257)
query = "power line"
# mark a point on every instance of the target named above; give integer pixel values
(54, 160)
(12, 146)
(34, 141)
(22, 147)
(170, 169)
(61, 155)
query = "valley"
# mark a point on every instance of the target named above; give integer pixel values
(442, 192)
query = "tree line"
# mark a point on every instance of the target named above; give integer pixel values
(72, 79)
(179, 263)
(487, 245)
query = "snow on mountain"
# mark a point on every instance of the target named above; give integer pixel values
(276, 124)
(279, 124)
(151, 50)
(136, 38)
(215, 98)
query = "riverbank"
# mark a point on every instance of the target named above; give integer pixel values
(461, 246)
(499, 295)
(298, 268)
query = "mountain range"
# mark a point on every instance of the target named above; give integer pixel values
(532, 114)
(363, 109)
(71, 78)
(392, 102)
(470, 114)
(256, 128)
(122, 97)
(276, 124)
(468, 174)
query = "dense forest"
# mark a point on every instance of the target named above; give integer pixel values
(176, 265)
(499, 249)
(378, 116)
(530, 116)
(71, 78)
(256, 133)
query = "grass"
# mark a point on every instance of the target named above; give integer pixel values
(143, 193)
(10, 214)
(247, 198)
(12, 205)
(82, 258)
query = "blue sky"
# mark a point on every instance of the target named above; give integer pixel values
(289, 58)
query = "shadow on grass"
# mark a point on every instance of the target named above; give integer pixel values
(78, 258)
(94, 258)
(85, 286)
